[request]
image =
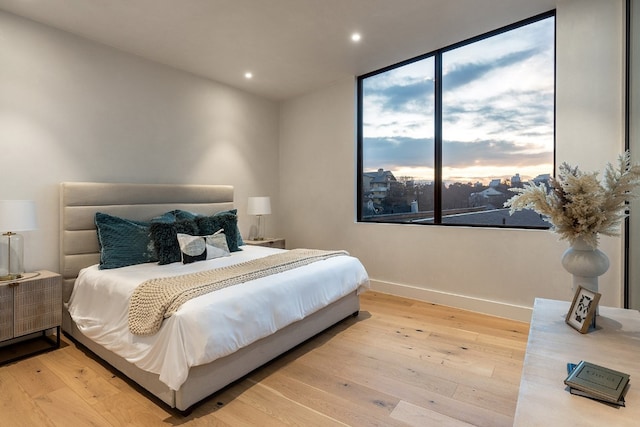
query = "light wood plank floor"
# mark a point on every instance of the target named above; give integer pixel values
(399, 363)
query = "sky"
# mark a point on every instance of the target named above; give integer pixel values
(498, 102)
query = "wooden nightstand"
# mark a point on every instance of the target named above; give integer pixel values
(270, 242)
(29, 305)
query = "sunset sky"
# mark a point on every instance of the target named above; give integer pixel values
(498, 97)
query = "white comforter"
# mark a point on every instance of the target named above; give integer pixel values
(213, 325)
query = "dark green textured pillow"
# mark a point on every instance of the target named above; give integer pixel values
(208, 225)
(239, 240)
(123, 241)
(165, 239)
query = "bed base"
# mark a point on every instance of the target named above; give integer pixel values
(205, 380)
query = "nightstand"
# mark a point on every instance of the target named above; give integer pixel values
(270, 242)
(27, 306)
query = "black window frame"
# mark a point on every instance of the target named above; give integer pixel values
(437, 55)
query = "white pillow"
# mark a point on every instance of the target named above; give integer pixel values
(200, 248)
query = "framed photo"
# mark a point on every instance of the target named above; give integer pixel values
(583, 309)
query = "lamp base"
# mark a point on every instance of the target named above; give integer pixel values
(260, 233)
(11, 256)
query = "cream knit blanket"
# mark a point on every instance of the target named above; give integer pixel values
(157, 299)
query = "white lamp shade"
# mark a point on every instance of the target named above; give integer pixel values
(17, 215)
(259, 206)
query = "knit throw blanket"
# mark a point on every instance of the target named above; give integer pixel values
(157, 299)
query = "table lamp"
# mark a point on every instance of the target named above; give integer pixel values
(15, 215)
(259, 206)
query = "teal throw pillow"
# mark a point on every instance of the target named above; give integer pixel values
(123, 241)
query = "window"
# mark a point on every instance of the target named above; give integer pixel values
(442, 137)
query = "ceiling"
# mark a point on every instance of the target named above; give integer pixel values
(291, 46)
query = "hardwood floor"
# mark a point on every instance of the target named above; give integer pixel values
(399, 363)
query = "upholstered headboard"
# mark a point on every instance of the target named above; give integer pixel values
(79, 202)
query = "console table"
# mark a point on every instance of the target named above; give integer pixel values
(543, 399)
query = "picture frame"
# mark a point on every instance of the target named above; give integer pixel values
(582, 313)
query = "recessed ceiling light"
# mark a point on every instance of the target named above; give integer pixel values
(248, 75)
(355, 37)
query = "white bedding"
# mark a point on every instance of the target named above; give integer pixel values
(213, 325)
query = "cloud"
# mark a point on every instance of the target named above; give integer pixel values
(411, 96)
(392, 152)
(493, 152)
(525, 114)
(463, 74)
(497, 108)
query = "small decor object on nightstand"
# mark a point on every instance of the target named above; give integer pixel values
(597, 382)
(582, 313)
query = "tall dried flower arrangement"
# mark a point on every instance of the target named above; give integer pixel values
(578, 205)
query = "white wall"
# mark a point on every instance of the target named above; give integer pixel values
(73, 110)
(488, 270)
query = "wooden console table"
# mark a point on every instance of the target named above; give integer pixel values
(615, 343)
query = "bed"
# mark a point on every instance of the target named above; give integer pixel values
(208, 368)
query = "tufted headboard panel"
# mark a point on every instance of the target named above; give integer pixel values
(79, 202)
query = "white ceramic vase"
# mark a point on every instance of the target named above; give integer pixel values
(585, 263)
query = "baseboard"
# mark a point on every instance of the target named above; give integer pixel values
(494, 308)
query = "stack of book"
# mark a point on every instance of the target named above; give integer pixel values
(597, 382)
